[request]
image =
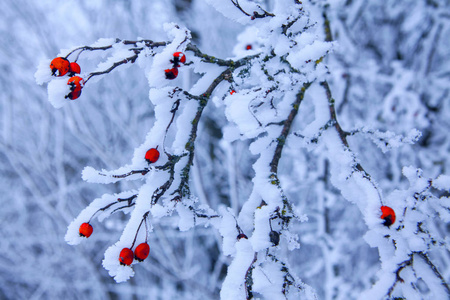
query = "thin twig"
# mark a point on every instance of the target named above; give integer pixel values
(343, 136)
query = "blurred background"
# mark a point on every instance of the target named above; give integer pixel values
(391, 71)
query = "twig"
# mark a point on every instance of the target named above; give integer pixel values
(236, 3)
(343, 136)
(131, 59)
(248, 278)
(286, 128)
(142, 172)
(220, 62)
(435, 270)
(183, 188)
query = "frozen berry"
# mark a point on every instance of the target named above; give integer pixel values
(388, 215)
(248, 47)
(179, 57)
(171, 73)
(126, 256)
(86, 230)
(274, 237)
(141, 252)
(59, 66)
(152, 155)
(232, 92)
(74, 68)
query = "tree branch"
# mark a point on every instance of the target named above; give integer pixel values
(286, 128)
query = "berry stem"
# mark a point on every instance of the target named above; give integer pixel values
(144, 217)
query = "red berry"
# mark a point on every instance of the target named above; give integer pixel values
(152, 155)
(74, 94)
(60, 65)
(242, 236)
(388, 215)
(75, 82)
(141, 252)
(86, 230)
(171, 73)
(179, 57)
(249, 47)
(232, 92)
(74, 68)
(126, 256)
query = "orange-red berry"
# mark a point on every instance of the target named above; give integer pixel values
(171, 73)
(232, 92)
(74, 68)
(86, 230)
(59, 66)
(141, 252)
(388, 215)
(248, 47)
(126, 256)
(152, 155)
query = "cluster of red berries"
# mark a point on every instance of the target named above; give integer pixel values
(178, 57)
(126, 256)
(151, 156)
(141, 252)
(61, 66)
(388, 215)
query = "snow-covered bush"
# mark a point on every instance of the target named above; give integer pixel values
(277, 97)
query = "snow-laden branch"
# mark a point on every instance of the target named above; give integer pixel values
(264, 95)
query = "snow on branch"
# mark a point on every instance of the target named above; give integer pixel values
(261, 95)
